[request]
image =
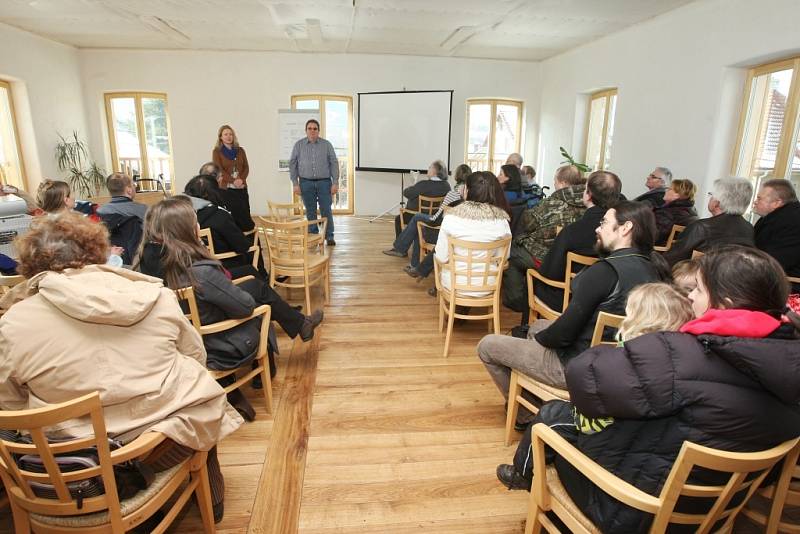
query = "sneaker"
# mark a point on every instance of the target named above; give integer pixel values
(395, 253)
(330, 242)
(242, 405)
(413, 273)
(432, 292)
(408, 268)
(256, 383)
(509, 477)
(311, 322)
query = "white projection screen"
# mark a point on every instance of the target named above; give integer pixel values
(400, 131)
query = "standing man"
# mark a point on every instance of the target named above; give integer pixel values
(314, 171)
(657, 183)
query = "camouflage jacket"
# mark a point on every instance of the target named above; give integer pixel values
(563, 207)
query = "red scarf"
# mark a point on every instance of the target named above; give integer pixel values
(737, 323)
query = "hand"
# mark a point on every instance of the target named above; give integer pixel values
(8, 190)
(238, 183)
(296, 189)
(117, 251)
(334, 189)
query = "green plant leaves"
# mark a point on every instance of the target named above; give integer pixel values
(71, 153)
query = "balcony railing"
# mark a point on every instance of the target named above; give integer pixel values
(157, 166)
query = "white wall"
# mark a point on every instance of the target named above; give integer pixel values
(680, 78)
(48, 98)
(245, 89)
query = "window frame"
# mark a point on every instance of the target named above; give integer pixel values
(348, 99)
(790, 123)
(112, 136)
(7, 85)
(493, 103)
(605, 94)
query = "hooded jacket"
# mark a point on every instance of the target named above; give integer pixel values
(563, 207)
(734, 393)
(117, 332)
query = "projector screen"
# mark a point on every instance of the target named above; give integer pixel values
(400, 131)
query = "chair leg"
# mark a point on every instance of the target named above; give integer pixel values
(307, 290)
(514, 390)
(327, 283)
(534, 524)
(496, 318)
(203, 493)
(266, 384)
(22, 522)
(441, 312)
(450, 320)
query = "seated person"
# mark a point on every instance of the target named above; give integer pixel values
(82, 326)
(678, 208)
(538, 232)
(777, 232)
(739, 358)
(435, 186)
(684, 275)
(729, 199)
(409, 237)
(529, 175)
(172, 250)
(122, 216)
(657, 183)
(54, 196)
(30, 202)
(235, 200)
(601, 193)
(625, 242)
(480, 218)
(511, 180)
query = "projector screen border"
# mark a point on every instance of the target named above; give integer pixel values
(402, 171)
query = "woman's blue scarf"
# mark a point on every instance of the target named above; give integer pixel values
(229, 153)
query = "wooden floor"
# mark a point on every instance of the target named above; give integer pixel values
(374, 431)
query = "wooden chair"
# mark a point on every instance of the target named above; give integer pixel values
(103, 513)
(9, 281)
(785, 491)
(292, 255)
(697, 254)
(427, 205)
(676, 229)
(247, 371)
(791, 279)
(205, 236)
(549, 495)
(471, 267)
(424, 246)
(539, 308)
(520, 382)
(286, 212)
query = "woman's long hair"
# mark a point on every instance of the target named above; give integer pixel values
(205, 187)
(514, 182)
(52, 195)
(482, 186)
(172, 224)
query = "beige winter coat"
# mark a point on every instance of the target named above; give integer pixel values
(118, 332)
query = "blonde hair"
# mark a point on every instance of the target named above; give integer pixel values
(219, 136)
(684, 188)
(685, 269)
(52, 195)
(654, 307)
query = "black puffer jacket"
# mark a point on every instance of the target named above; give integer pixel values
(728, 393)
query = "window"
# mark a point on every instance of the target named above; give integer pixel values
(600, 131)
(768, 145)
(138, 129)
(494, 130)
(11, 169)
(336, 125)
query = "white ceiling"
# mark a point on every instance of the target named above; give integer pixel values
(497, 29)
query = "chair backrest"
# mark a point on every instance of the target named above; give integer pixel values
(285, 212)
(573, 261)
(696, 254)
(791, 279)
(187, 294)
(287, 242)
(18, 480)
(676, 229)
(477, 267)
(605, 320)
(429, 205)
(205, 237)
(746, 471)
(9, 281)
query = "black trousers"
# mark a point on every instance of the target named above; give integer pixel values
(287, 317)
(238, 203)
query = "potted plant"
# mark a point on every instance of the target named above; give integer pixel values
(569, 160)
(84, 177)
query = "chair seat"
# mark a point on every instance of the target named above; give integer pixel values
(467, 300)
(559, 494)
(127, 507)
(546, 392)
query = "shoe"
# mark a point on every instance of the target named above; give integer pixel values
(519, 426)
(256, 383)
(311, 322)
(242, 405)
(408, 268)
(414, 273)
(432, 292)
(395, 253)
(330, 242)
(509, 477)
(219, 511)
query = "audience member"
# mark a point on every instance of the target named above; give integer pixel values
(234, 202)
(678, 208)
(83, 326)
(122, 216)
(514, 159)
(231, 160)
(172, 250)
(684, 275)
(601, 193)
(511, 180)
(728, 201)
(480, 218)
(529, 175)
(657, 183)
(539, 224)
(625, 242)
(436, 185)
(737, 358)
(30, 202)
(777, 232)
(54, 196)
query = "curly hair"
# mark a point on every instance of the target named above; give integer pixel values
(59, 242)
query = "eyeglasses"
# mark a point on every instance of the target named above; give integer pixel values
(312, 128)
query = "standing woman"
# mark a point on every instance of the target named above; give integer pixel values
(234, 169)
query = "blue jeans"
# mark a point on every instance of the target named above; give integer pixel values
(409, 237)
(313, 191)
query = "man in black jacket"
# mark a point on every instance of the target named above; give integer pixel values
(435, 186)
(625, 238)
(729, 199)
(777, 232)
(657, 183)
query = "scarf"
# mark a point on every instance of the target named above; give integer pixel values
(737, 323)
(229, 153)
